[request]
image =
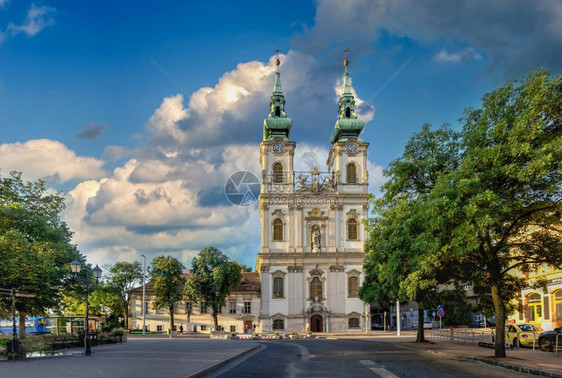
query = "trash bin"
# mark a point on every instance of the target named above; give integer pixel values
(168, 332)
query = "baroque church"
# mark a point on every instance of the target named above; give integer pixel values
(309, 267)
(312, 237)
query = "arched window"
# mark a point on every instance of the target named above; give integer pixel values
(352, 229)
(352, 286)
(315, 288)
(277, 111)
(278, 173)
(353, 323)
(347, 113)
(278, 324)
(352, 173)
(278, 287)
(535, 307)
(278, 229)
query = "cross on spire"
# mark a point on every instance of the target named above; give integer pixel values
(345, 61)
(277, 61)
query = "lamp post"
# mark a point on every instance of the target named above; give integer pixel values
(75, 267)
(143, 296)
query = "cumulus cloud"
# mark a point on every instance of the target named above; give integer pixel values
(515, 33)
(91, 131)
(38, 18)
(464, 56)
(49, 160)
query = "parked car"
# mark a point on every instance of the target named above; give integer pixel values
(525, 334)
(547, 340)
(376, 326)
(488, 324)
(428, 325)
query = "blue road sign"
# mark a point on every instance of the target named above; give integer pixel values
(440, 307)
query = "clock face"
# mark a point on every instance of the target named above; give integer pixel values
(278, 147)
(351, 148)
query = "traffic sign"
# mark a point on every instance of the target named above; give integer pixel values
(440, 307)
(441, 313)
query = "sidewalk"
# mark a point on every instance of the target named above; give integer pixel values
(525, 359)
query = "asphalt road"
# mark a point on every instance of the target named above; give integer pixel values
(351, 358)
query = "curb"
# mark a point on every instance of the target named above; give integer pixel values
(502, 364)
(211, 368)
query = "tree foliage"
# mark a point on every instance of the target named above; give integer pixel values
(493, 208)
(168, 280)
(123, 278)
(212, 278)
(35, 245)
(398, 240)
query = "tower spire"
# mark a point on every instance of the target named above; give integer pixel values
(347, 126)
(277, 124)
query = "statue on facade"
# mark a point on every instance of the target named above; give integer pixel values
(315, 238)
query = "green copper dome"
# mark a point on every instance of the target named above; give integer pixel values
(277, 124)
(347, 126)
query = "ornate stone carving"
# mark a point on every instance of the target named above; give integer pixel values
(294, 269)
(264, 268)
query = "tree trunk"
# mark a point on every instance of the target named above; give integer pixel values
(420, 337)
(216, 318)
(500, 322)
(22, 317)
(171, 320)
(126, 314)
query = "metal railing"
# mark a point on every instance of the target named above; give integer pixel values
(463, 335)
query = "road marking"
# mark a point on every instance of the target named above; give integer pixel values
(380, 371)
(305, 355)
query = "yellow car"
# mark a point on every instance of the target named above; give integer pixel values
(524, 333)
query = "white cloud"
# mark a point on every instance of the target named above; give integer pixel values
(463, 56)
(38, 18)
(49, 160)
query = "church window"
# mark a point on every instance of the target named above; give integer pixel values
(278, 324)
(352, 229)
(277, 111)
(278, 229)
(352, 173)
(278, 287)
(347, 113)
(353, 323)
(315, 288)
(352, 286)
(278, 173)
(247, 307)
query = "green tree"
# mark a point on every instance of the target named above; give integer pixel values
(212, 278)
(500, 210)
(124, 277)
(399, 264)
(168, 280)
(457, 309)
(35, 245)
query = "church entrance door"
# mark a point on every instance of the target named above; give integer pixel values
(247, 326)
(316, 323)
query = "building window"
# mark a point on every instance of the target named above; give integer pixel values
(535, 307)
(203, 308)
(232, 308)
(558, 306)
(146, 307)
(278, 287)
(352, 229)
(159, 328)
(278, 324)
(353, 323)
(278, 229)
(352, 286)
(233, 328)
(278, 173)
(247, 307)
(315, 288)
(203, 328)
(352, 173)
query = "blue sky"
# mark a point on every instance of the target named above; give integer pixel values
(139, 111)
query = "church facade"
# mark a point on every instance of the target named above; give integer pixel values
(312, 237)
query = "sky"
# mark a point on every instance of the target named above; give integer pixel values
(139, 112)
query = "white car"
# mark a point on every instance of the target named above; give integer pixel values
(428, 325)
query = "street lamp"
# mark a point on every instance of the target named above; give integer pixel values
(75, 267)
(143, 295)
